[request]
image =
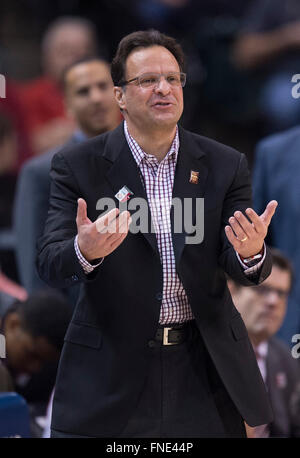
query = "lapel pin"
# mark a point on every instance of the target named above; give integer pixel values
(124, 194)
(194, 177)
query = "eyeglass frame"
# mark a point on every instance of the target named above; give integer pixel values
(137, 78)
(264, 290)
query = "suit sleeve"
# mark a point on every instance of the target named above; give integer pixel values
(57, 262)
(239, 198)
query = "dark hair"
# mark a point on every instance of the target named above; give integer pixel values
(83, 60)
(44, 314)
(282, 262)
(143, 39)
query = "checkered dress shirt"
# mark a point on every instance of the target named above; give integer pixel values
(158, 179)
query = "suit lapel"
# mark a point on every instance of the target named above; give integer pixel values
(274, 369)
(190, 158)
(124, 172)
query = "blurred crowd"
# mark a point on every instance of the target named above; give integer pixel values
(241, 62)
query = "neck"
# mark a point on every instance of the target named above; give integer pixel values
(256, 340)
(157, 142)
(99, 132)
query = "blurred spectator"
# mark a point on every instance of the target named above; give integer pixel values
(8, 178)
(90, 101)
(66, 40)
(8, 159)
(12, 108)
(9, 292)
(34, 332)
(6, 382)
(268, 45)
(276, 176)
(263, 308)
(8, 146)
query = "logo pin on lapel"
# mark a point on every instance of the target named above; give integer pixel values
(124, 194)
(194, 177)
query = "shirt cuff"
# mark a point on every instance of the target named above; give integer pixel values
(254, 269)
(87, 267)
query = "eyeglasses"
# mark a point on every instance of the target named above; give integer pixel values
(265, 290)
(152, 80)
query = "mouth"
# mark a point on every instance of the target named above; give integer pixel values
(268, 316)
(99, 113)
(162, 105)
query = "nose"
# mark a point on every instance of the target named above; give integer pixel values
(163, 87)
(96, 95)
(272, 299)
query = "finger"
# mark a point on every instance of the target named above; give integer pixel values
(81, 217)
(245, 224)
(232, 238)
(118, 241)
(258, 223)
(269, 212)
(239, 232)
(104, 221)
(121, 229)
(114, 226)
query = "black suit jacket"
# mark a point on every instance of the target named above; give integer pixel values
(105, 358)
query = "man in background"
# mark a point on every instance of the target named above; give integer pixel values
(67, 40)
(34, 332)
(263, 308)
(268, 48)
(276, 173)
(90, 102)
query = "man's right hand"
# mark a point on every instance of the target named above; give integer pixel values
(100, 238)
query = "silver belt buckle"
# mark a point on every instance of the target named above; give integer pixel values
(166, 337)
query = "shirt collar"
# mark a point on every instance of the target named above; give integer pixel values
(140, 155)
(262, 349)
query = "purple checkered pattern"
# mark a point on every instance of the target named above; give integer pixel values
(87, 267)
(158, 179)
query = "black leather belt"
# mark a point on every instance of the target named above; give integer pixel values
(175, 334)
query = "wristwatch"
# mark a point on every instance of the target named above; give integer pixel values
(252, 260)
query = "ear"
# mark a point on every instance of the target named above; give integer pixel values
(120, 97)
(68, 108)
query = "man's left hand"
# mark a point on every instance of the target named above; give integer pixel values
(247, 237)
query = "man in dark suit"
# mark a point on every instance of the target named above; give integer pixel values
(155, 347)
(263, 309)
(90, 102)
(276, 173)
